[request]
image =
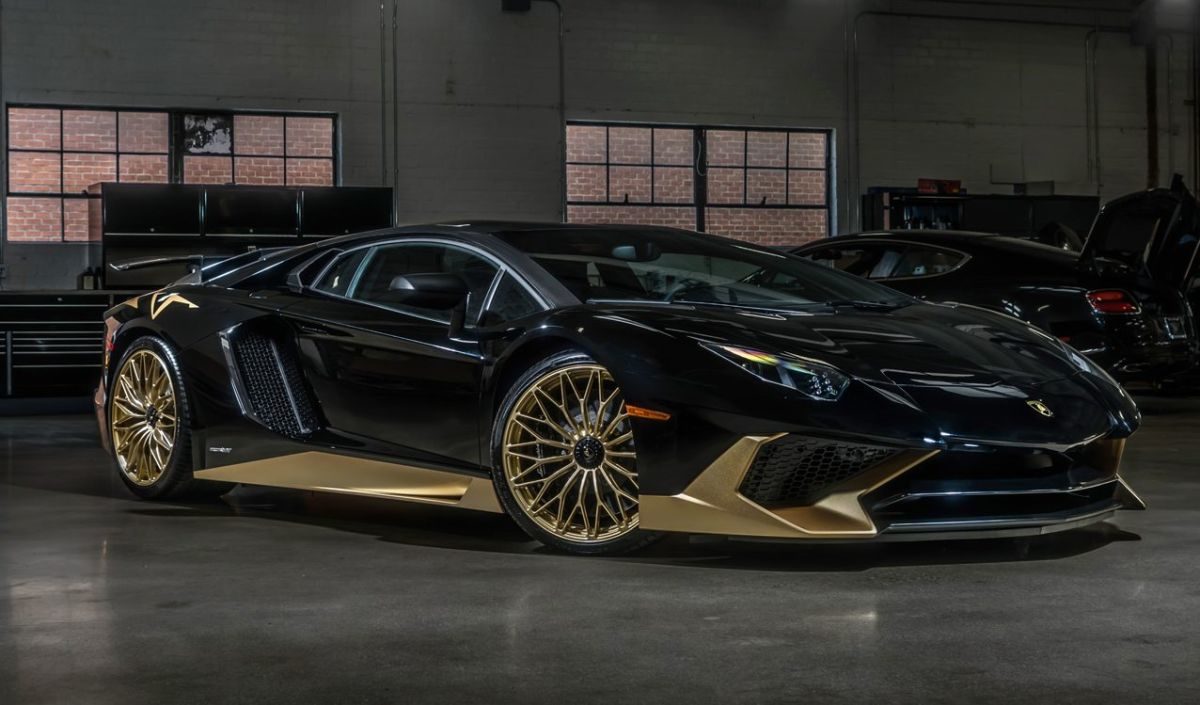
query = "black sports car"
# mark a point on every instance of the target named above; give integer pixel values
(603, 385)
(1123, 301)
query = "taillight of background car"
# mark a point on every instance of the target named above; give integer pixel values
(1112, 301)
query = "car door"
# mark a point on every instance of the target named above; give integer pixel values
(390, 375)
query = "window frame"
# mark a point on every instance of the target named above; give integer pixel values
(175, 152)
(502, 269)
(701, 168)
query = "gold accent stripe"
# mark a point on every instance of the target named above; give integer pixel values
(328, 472)
(712, 504)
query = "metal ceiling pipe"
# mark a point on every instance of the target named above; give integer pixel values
(1152, 114)
(395, 113)
(383, 165)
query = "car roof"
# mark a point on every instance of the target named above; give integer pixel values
(960, 239)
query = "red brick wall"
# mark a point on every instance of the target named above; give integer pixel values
(259, 135)
(673, 147)
(585, 183)
(309, 172)
(75, 214)
(207, 170)
(34, 219)
(673, 184)
(261, 171)
(145, 168)
(309, 137)
(90, 130)
(629, 184)
(34, 128)
(144, 132)
(676, 217)
(770, 226)
(82, 170)
(585, 143)
(34, 172)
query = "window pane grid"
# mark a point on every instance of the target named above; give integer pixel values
(56, 153)
(623, 172)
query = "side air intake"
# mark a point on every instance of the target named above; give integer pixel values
(269, 383)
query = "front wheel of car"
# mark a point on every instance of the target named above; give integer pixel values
(566, 463)
(149, 418)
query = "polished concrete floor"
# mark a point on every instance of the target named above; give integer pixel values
(275, 596)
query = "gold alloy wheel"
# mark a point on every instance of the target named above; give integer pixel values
(568, 455)
(143, 417)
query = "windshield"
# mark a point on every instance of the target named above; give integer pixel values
(677, 266)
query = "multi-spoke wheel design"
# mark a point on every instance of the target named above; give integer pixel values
(144, 417)
(568, 456)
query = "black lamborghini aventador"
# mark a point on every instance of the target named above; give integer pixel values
(603, 385)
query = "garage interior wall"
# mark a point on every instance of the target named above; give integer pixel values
(468, 99)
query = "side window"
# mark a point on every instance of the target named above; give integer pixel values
(510, 301)
(873, 261)
(385, 262)
(339, 278)
(926, 262)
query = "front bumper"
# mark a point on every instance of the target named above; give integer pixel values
(899, 495)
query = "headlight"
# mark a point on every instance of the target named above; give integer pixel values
(814, 379)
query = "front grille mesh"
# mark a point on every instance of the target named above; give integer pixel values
(796, 470)
(278, 394)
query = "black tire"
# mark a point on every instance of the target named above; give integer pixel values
(630, 540)
(175, 479)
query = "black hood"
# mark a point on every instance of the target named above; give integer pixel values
(946, 373)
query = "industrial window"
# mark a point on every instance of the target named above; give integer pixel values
(56, 154)
(769, 186)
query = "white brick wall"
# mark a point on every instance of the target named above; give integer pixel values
(479, 132)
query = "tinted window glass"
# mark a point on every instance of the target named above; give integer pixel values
(386, 262)
(926, 262)
(879, 261)
(674, 265)
(510, 302)
(340, 276)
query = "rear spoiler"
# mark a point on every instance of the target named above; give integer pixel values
(201, 268)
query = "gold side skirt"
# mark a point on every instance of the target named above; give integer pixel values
(328, 472)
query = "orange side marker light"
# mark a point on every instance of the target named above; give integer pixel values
(644, 413)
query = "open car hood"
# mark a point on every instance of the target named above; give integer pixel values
(1152, 233)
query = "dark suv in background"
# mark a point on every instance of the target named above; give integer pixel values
(1127, 300)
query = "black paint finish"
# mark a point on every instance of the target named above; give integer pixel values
(390, 384)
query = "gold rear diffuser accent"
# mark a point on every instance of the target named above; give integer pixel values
(319, 471)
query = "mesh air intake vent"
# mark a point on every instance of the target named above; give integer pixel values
(277, 393)
(795, 470)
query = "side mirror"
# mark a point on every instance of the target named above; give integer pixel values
(435, 291)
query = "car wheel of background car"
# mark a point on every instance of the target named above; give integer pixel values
(150, 424)
(566, 466)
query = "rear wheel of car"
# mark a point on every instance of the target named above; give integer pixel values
(566, 464)
(150, 424)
